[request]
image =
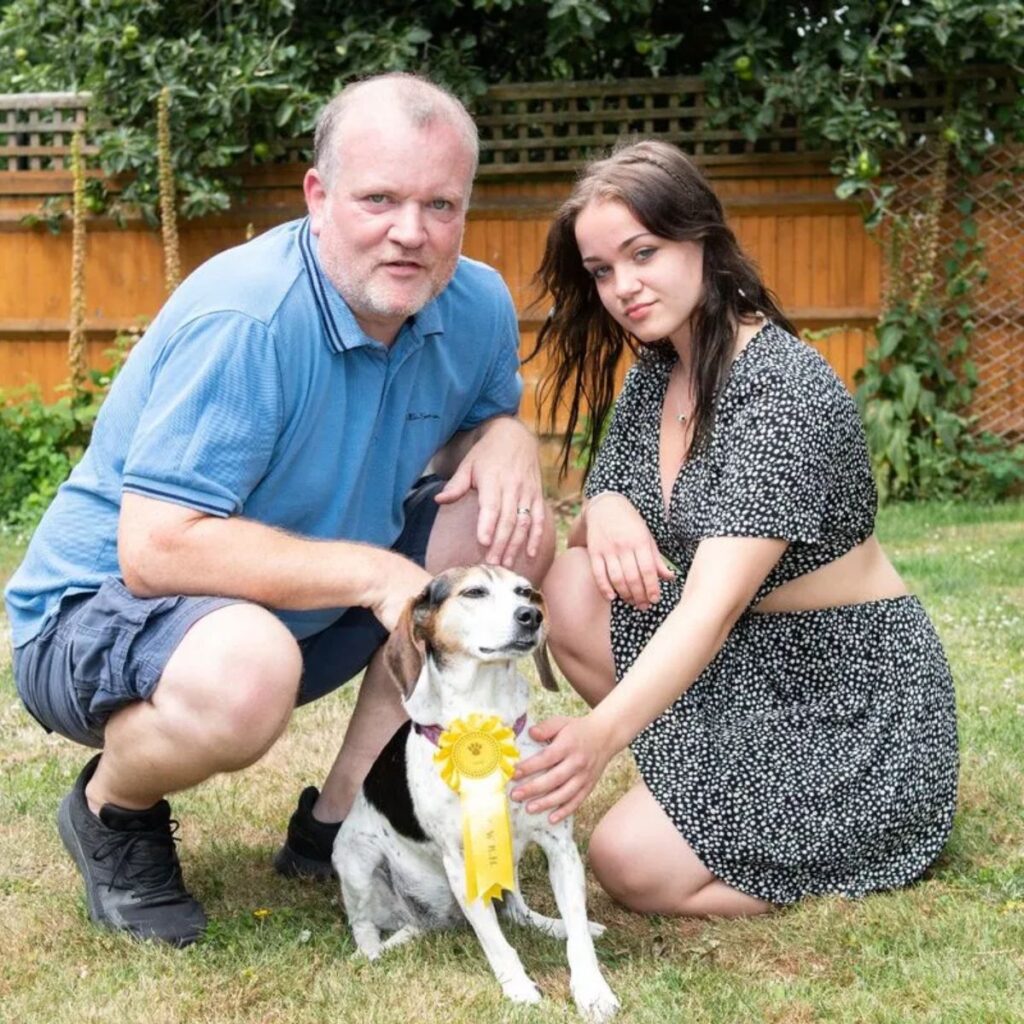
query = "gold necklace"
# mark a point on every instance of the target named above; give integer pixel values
(681, 417)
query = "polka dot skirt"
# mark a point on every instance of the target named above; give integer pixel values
(817, 753)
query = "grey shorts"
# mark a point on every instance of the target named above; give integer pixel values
(105, 649)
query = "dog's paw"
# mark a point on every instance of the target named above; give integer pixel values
(596, 930)
(595, 1001)
(368, 953)
(521, 990)
(367, 940)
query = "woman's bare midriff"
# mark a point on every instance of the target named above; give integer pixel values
(862, 574)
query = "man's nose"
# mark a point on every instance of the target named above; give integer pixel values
(408, 229)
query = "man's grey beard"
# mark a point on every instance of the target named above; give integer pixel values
(365, 298)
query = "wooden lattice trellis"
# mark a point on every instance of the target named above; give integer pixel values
(36, 129)
(552, 126)
(556, 126)
(996, 298)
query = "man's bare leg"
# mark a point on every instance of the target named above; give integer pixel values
(226, 694)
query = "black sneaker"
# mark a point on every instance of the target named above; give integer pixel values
(132, 876)
(307, 850)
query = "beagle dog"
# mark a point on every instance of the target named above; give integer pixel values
(399, 853)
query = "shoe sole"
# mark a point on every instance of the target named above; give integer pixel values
(294, 865)
(69, 837)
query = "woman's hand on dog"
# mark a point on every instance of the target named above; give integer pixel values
(560, 777)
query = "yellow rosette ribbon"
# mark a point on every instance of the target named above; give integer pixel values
(477, 756)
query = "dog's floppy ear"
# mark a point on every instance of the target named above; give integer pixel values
(545, 672)
(404, 653)
(406, 648)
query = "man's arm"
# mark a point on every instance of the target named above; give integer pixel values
(166, 548)
(500, 460)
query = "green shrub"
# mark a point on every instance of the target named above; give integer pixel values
(39, 445)
(41, 442)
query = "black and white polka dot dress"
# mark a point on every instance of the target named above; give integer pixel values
(817, 753)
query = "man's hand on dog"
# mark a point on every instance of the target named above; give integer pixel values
(504, 469)
(561, 776)
(403, 580)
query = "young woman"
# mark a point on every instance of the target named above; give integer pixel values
(724, 606)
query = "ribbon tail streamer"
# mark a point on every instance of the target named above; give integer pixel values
(487, 837)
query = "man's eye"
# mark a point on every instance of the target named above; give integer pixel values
(377, 199)
(441, 204)
(474, 592)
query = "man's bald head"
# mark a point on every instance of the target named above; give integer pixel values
(420, 101)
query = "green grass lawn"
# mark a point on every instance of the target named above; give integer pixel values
(950, 949)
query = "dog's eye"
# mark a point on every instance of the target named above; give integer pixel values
(525, 592)
(474, 592)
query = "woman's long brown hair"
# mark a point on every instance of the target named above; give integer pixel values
(669, 196)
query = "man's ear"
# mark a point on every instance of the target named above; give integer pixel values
(315, 191)
(406, 649)
(545, 672)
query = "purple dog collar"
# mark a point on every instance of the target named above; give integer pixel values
(433, 732)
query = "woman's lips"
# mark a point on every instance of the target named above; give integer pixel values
(638, 311)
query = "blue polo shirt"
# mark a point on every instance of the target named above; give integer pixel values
(255, 393)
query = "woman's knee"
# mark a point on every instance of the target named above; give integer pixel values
(620, 865)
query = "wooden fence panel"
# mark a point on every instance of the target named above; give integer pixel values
(811, 248)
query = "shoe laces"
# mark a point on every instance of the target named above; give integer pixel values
(146, 864)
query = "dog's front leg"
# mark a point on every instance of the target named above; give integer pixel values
(504, 960)
(594, 999)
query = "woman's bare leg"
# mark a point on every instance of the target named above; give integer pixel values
(643, 862)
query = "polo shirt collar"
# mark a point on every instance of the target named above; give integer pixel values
(341, 330)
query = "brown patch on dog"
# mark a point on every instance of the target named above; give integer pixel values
(417, 634)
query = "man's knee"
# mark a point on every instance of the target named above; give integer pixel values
(575, 605)
(233, 679)
(453, 541)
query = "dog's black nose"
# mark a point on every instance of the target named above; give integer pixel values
(528, 616)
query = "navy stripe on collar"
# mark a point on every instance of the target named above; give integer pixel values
(316, 285)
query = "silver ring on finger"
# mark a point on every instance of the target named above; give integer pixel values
(524, 510)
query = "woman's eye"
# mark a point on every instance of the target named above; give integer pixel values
(643, 255)
(599, 272)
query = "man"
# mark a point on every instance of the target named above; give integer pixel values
(250, 517)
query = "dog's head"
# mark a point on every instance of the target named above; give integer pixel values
(482, 612)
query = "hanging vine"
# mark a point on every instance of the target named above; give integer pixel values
(77, 361)
(168, 208)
